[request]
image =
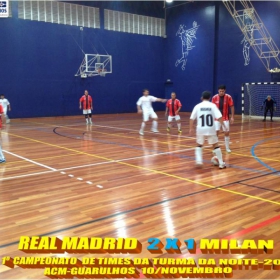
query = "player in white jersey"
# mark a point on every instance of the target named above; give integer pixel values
(205, 113)
(144, 105)
(6, 106)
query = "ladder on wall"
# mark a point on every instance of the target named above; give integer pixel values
(255, 32)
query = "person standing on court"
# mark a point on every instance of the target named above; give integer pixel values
(6, 106)
(224, 103)
(87, 106)
(144, 105)
(173, 105)
(2, 157)
(269, 105)
(205, 113)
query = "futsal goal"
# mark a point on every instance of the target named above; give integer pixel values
(253, 96)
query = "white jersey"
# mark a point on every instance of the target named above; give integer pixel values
(4, 102)
(205, 113)
(146, 103)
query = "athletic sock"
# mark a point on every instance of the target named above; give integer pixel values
(142, 126)
(154, 125)
(198, 155)
(227, 142)
(86, 120)
(219, 155)
(179, 126)
(1, 154)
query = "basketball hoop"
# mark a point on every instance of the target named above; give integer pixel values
(102, 72)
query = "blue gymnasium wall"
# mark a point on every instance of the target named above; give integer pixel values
(39, 60)
(198, 73)
(217, 57)
(231, 70)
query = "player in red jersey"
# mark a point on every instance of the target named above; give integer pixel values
(2, 158)
(224, 102)
(173, 105)
(87, 106)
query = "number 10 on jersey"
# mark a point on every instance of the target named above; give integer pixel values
(206, 120)
(172, 245)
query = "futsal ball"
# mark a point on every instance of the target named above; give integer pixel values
(215, 160)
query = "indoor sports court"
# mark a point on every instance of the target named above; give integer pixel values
(65, 176)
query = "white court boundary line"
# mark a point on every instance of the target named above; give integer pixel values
(81, 166)
(29, 160)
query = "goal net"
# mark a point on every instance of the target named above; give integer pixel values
(253, 96)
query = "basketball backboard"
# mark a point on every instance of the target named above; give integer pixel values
(95, 65)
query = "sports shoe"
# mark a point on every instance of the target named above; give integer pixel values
(271, 120)
(168, 129)
(141, 132)
(222, 166)
(179, 131)
(155, 130)
(264, 120)
(228, 151)
(199, 164)
(2, 161)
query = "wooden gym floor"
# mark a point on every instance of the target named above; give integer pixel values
(63, 178)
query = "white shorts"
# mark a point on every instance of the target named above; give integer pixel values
(5, 110)
(170, 118)
(149, 114)
(85, 112)
(212, 139)
(218, 125)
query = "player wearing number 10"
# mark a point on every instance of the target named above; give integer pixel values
(205, 113)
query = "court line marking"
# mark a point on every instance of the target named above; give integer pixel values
(133, 147)
(153, 171)
(87, 165)
(258, 158)
(177, 136)
(29, 160)
(18, 167)
(200, 183)
(270, 159)
(205, 147)
(235, 122)
(253, 186)
(139, 138)
(67, 126)
(114, 135)
(183, 145)
(119, 128)
(18, 161)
